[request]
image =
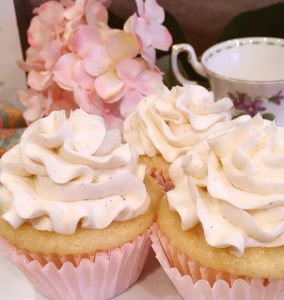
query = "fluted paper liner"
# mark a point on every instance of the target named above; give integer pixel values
(195, 282)
(89, 277)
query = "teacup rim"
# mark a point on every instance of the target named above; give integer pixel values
(243, 39)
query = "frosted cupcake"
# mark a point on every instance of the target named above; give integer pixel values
(68, 220)
(221, 231)
(164, 126)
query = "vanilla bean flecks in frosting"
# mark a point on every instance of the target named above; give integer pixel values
(171, 122)
(234, 185)
(70, 171)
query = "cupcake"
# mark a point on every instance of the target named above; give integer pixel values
(76, 208)
(165, 125)
(220, 231)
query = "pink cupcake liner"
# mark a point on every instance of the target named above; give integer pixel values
(195, 282)
(89, 277)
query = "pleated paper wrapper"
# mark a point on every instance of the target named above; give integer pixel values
(195, 282)
(89, 277)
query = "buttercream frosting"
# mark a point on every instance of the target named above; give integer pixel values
(67, 171)
(172, 121)
(233, 185)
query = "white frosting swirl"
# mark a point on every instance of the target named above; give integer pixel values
(70, 171)
(233, 184)
(171, 122)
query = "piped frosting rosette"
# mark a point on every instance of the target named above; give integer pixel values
(233, 185)
(67, 171)
(172, 121)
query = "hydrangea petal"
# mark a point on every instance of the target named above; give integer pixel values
(97, 61)
(63, 71)
(108, 86)
(149, 54)
(121, 45)
(42, 52)
(117, 97)
(162, 38)
(113, 122)
(37, 107)
(51, 13)
(84, 101)
(130, 102)
(128, 69)
(142, 29)
(39, 81)
(153, 12)
(54, 52)
(67, 3)
(81, 77)
(39, 34)
(29, 66)
(149, 82)
(76, 10)
(96, 12)
(70, 27)
(25, 96)
(128, 25)
(32, 55)
(140, 7)
(32, 114)
(86, 38)
(111, 114)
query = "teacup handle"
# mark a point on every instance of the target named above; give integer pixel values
(192, 59)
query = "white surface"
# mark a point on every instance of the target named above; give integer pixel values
(11, 77)
(152, 285)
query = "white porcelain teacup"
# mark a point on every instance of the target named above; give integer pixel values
(248, 70)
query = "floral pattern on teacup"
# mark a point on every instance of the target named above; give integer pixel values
(251, 105)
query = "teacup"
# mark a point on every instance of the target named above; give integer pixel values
(248, 70)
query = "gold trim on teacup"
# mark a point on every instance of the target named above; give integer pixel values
(239, 42)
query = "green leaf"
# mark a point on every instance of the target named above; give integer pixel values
(268, 21)
(268, 116)
(164, 64)
(115, 21)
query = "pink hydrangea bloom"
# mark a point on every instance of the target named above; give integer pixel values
(148, 28)
(46, 25)
(93, 104)
(131, 81)
(39, 104)
(76, 60)
(96, 56)
(94, 11)
(41, 79)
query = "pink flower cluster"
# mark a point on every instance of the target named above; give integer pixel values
(76, 60)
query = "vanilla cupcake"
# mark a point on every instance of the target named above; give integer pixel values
(165, 125)
(76, 208)
(220, 231)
